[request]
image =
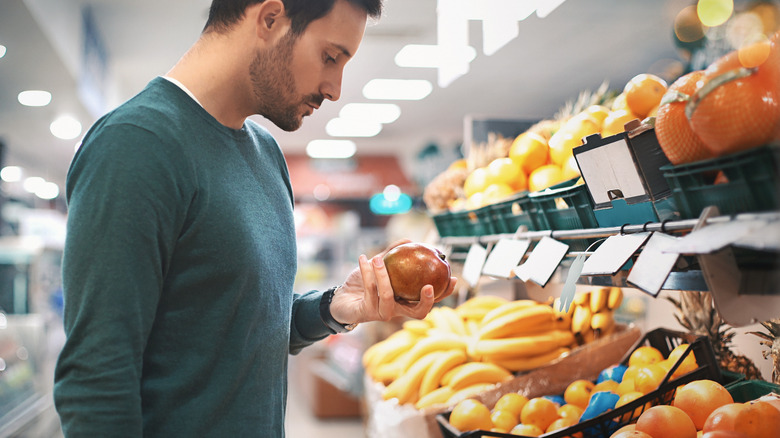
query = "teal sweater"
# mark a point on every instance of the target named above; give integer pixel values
(178, 277)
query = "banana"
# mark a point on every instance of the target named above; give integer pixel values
(434, 342)
(581, 298)
(472, 373)
(598, 299)
(615, 298)
(487, 301)
(529, 319)
(454, 320)
(438, 396)
(386, 372)
(388, 349)
(417, 327)
(562, 317)
(406, 387)
(580, 320)
(446, 361)
(507, 308)
(523, 346)
(472, 327)
(533, 362)
(469, 392)
(473, 313)
(602, 322)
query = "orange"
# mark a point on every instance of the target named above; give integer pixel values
(578, 393)
(545, 176)
(470, 414)
(530, 150)
(741, 113)
(675, 136)
(562, 144)
(643, 93)
(506, 171)
(570, 411)
(526, 430)
(758, 420)
(628, 398)
(699, 398)
(598, 112)
(630, 372)
(723, 418)
(606, 385)
(539, 412)
(476, 181)
(753, 55)
(630, 433)
(615, 122)
(666, 421)
(582, 125)
(496, 192)
(512, 402)
(649, 377)
(561, 423)
(626, 386)
(619, 103)
(688, 364)
(505, 420)
(645, 355)
(475, 201)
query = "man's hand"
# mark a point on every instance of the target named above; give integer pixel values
(366, 295)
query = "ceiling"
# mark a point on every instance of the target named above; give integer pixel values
(576, 47)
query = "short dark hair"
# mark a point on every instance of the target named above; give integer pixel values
(224, 13)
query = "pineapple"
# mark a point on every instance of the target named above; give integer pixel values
(697, 313)
(772, 340)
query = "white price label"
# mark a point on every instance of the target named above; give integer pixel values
(504, 257)
(472, 267)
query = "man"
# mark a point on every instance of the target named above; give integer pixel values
(180, 256)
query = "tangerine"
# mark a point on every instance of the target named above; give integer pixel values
(578, 393)
(506, 171)
(530, 150)
(664, 421)
(626, 386)
(675, 136)
(628, 398)
(570, 411)
(649, 377)
(699, 398)
(606, 385)
(643, 93)
(570, 169)
(687, 365)
(539, 412)
(561, 423)
(476, 181)
(562, 145)
(470, 414)
(545, 176)
(616, 121)
(645, 355)
(758, 420)
(723, 417)
(496, 192)
(505, 420)
(598, 112)
(526, 430)
(619, 103)
(512, 402)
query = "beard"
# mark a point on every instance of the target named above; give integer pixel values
(274, 88)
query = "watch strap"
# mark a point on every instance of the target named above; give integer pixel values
(327, 317)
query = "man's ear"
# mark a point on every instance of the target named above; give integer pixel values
(270, 19)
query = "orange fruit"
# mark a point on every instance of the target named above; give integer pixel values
(475, 201)
(530, 150)
(606, 385)
(539, 412)
(619, 103)
(570, 411)
(664, 421)
(583, 125)
(545, 176)
(578, 393)
(688, 364)
(626, 386)
(723, 417)
(675, 136)
(561, 423)
(562, 144)
(470, 414)
(496, 192)
(630, 372)
(628, 398)
(526, 430)
(643, 93)
(649, 377)
(501, 419)
(570, 169)
(615, 122)
(645, 355)
(506, 171)
(741, 113)
(758, 420)
(699, 398)
(477, 181)
(631, 433)
(512, 402)
(598, 112)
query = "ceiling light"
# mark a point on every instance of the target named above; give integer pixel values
(377, 112)
(34, 98)
(48, 190)
(397, 89)
(2, 50)
(433, 56)
(11, 174)
(33, 183)
(66, 128)
(341, 127)
(331, 148)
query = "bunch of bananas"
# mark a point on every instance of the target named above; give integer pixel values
(592, 313)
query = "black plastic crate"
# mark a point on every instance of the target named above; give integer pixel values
(607, 423)
(751, 186)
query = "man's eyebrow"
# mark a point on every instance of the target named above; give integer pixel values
(342, 49)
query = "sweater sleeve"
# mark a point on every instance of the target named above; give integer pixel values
(307, 326)
(126, 209)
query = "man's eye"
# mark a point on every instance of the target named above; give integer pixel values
(329, 58)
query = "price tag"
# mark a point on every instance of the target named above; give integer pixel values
(653, 264)
(613, 254)
(472, 267)
(543, 261)
(504, 257)
(711, 238)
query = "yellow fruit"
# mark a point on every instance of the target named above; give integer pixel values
(476, 182)
(503, 419)
(438, 396)
(645, 355)
(570, 169)
(475, 201)
(643, 93)
(511, 402)
(539, 412)
(582, 125)
(578, 393)
(619, 103)
(470, 415)
(544, 177)
(615, 122)
(506, 171)
(562, 144)
(598, 112)
(530, 150)
(497, 192)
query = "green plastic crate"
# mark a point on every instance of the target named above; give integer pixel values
(747, 390)
(565, 207)
(752, 183)
(510, 214)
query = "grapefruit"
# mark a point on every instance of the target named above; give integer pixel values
(678, 141)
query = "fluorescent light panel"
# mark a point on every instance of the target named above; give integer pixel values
(66, 128)
(375, 112)
(433, 56)
(34, 98)
(2, 50)
(341, 127)
(397, 89)
(331, 148)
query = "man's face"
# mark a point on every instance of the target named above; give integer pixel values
(293, 78)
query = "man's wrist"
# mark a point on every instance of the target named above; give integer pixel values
(331, 322)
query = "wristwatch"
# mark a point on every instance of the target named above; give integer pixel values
(327, 318)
